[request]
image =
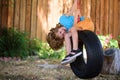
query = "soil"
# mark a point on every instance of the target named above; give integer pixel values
(42, 69)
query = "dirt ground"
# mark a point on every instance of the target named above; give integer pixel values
(40, 69)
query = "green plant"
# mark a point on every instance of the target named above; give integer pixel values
(13, 43)
(118, 37)
(35, 46)
(107, 41)
(44, 51)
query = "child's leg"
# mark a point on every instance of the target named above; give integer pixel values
(68, 58)
(74, 38)
(67, 43)
(71, 57)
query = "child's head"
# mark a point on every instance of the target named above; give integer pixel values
(54, 39)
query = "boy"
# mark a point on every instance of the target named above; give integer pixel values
(66, 28)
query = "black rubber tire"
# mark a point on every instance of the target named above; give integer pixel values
(94, 56)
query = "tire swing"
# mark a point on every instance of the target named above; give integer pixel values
(92, 67)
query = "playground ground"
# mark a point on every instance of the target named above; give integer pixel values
(41, 69)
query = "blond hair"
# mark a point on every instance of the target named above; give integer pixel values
(53, 40)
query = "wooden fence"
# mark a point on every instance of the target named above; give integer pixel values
(37, 16)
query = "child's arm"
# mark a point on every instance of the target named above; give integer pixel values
(70, 12)
(75, 11)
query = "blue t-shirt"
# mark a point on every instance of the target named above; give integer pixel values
(68, 21)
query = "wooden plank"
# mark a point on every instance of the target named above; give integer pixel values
(17, 14)
(115, 19)
(11, 13)
(33, 18)
(106, 17)
(28, 16)
(39, 22)
(84, 8)
(102, 20)
(93, 12)
(88, 7)
(22, 14)
(4, 13)
(97, 23)
(67, 4)
(111, 16)
(0, 12)
(44, 14)
(119, 19)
